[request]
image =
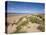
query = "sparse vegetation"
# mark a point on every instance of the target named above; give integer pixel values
(23, 23)
(38, 19)
(34, 19)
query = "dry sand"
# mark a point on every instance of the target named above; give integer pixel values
(15, 18)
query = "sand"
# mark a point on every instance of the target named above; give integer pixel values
(15, 18)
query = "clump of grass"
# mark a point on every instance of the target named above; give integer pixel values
(41, 28)
(38, 21)
(23, 23)
(41, 22)
(32, 19)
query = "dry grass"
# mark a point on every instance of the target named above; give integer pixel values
(25, 23)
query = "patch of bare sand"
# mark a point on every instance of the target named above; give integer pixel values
(11, 28)
(32, 27)
(14, 18)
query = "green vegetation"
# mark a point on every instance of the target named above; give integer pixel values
(23, 23)
(42, 22)
(32, 19)
(39, 19)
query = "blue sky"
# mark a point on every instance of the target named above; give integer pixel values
(24, 7)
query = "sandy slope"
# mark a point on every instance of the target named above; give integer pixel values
(15, 18)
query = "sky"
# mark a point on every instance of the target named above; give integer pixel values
(24, 7)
